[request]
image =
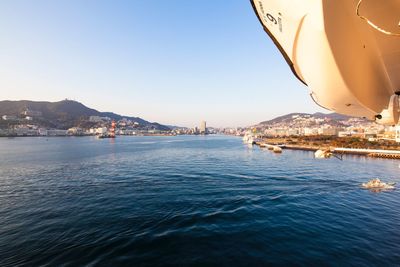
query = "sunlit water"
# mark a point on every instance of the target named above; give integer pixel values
(186, 200)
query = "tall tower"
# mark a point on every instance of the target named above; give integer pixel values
(203, 127)
(112, 130)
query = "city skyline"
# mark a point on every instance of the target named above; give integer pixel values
(159, 61)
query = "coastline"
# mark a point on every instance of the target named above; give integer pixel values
(374, 153)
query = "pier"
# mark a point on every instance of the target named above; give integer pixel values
(375, 153)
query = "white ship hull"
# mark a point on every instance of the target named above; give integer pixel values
(349, 66)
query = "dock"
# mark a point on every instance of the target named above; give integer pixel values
(374, 153)
(273, 147)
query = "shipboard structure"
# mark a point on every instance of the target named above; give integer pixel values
(346, 51)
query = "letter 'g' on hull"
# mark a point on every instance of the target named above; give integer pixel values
(349, 66)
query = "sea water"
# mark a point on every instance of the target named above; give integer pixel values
(190, 200)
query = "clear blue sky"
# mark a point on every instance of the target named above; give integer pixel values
(174, 62)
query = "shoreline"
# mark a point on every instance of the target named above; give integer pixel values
(91, 135)
(365, 152)
(49, 136)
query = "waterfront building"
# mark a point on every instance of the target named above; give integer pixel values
(397, 137)
(203, 127)
(101, 130)
(75, 131)
(127, 132)
(42, 131)
(280, 132)
(310, 131)
(292, 132)
(21, 131)
(33, 132)
(328, 131)
(56, 132)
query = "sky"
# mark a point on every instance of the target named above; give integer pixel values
(175, 62)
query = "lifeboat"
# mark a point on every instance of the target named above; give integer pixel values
(347, 52)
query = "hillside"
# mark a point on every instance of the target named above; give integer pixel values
(66, 113)
(289, 117)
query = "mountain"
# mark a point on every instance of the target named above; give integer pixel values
(289, 117)
(66, 113)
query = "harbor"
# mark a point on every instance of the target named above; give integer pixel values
(150, 198)
(278, 144)
(172, 133)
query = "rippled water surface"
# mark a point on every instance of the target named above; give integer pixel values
(205, 201)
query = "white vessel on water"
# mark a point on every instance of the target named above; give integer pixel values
(346, 51)
(245, 138)
(248, 138)
(378, 184)
(322, 154)
(277, 149)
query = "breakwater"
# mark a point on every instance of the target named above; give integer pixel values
(375, 153)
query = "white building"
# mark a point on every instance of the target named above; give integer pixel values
(127, 132)
(21, 131)
(56, 132)
(9, 117)
(292, 132)
(42, 131)
(280, 132)
(75, 131)
(95, 119)
(32, 113)
(397, 133)
(101, 130)
(328, 131)
(310, 131)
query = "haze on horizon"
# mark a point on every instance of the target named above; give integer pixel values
(173, 62)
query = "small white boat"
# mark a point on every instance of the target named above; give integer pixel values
(105, 135)
(277, 149)
(247, 137)
(250, 140)
(322, 154)
(378, 184)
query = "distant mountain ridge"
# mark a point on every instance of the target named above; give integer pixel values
(65, 113)
(318, 115)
